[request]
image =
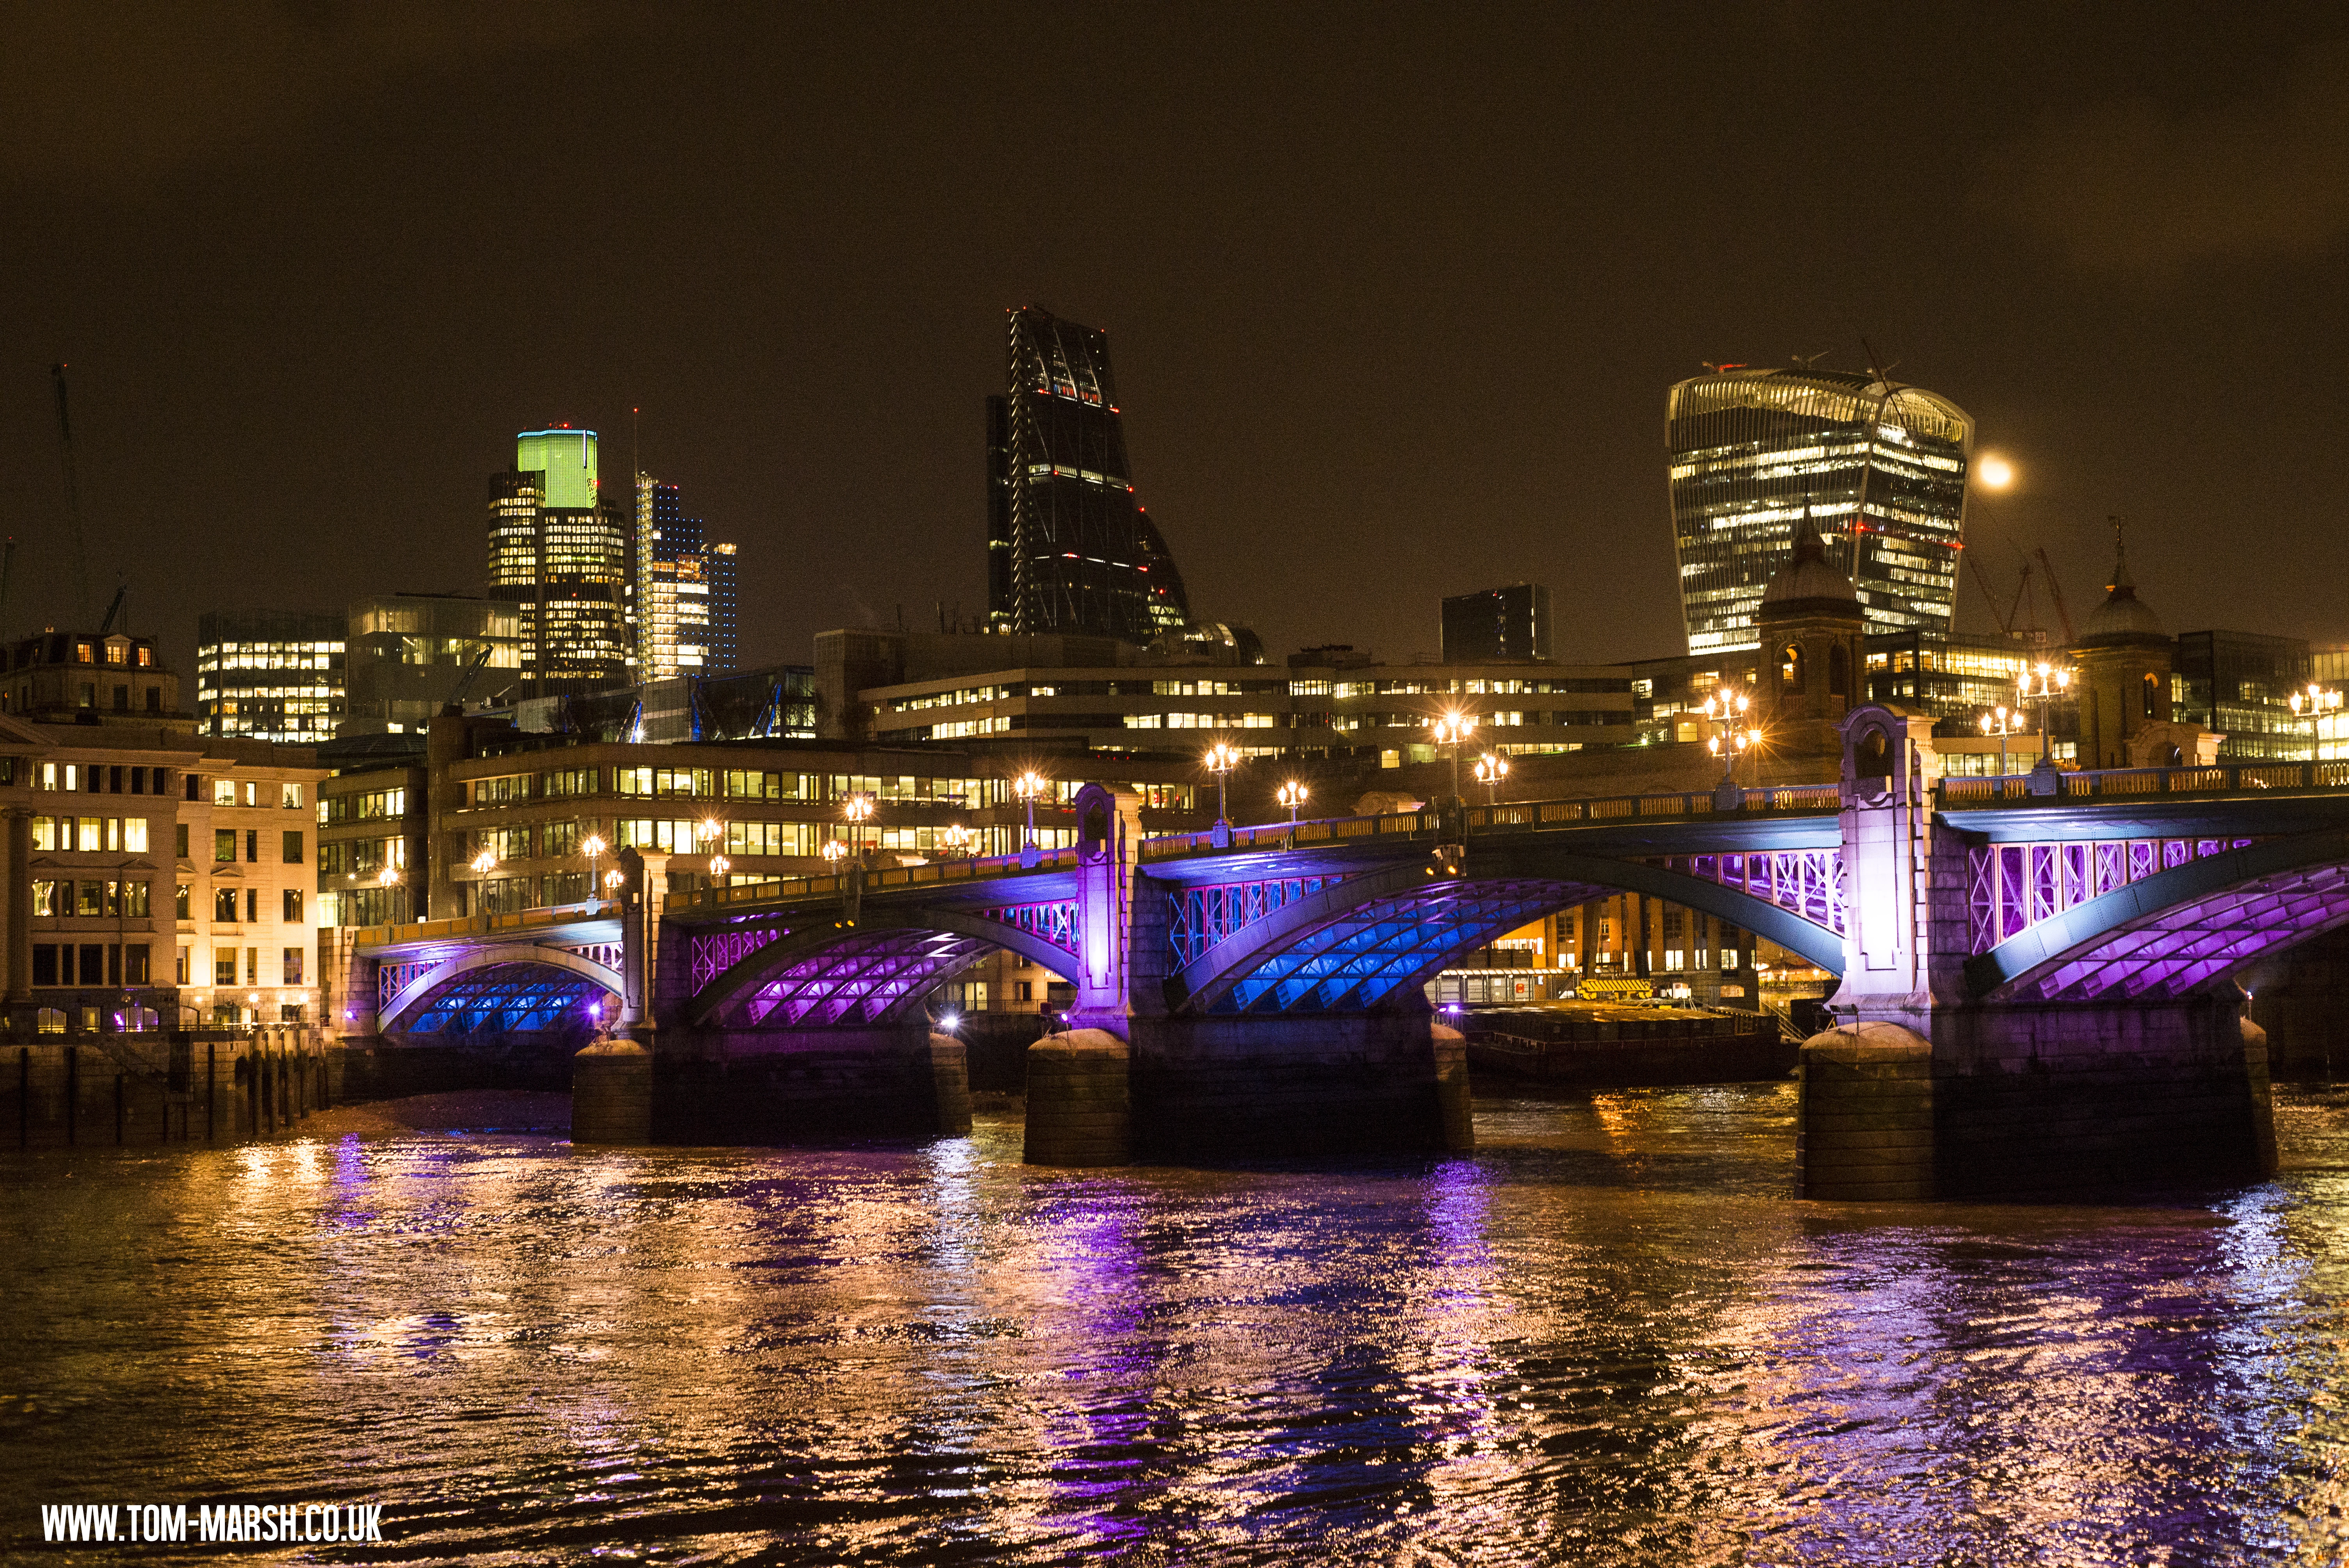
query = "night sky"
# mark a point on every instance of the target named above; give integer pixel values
(1394, 296)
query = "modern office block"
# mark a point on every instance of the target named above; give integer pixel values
(1510, 623)
(270, 674)
(1069, 547)
(1880, 468)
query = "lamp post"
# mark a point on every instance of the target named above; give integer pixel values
(483, 864)
(858, 809)
(1451, 730)
(957, 839)
(1491, 768)
(593, 846)
(834, 851)
(1291, 795)
(1732, 737)
(388, 879)
(1222, 757)
(2316, 702)
(2043, 683)
(1028, 786)
(2000, 721)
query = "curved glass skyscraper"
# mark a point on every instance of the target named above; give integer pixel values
(1881, 467)
(1069, 548)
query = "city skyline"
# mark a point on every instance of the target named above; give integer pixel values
(1331, 390)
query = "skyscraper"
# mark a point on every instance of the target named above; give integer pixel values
(1880, 468)
(685, 594)
(270, 674)
(1069, 548)
(566, 555)
(1510, 623)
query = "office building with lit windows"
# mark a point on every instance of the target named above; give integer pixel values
(270, 674)
(566, 556)
(1880, 467)
(1069, 547)
(685, 591)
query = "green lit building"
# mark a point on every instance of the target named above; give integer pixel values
(565, 554)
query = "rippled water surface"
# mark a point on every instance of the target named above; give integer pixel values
(1608, 1336)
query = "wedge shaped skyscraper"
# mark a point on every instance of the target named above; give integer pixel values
(1880, 466)
(1069, 546)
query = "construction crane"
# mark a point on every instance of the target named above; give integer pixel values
(73, 493)
(456, 703)
(2055, 592)
(113, 610)
(7, 566)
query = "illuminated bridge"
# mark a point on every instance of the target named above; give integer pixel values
(1263, 987)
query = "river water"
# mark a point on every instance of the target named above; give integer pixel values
(1608, 1336)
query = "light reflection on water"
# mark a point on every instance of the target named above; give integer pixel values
(1608, 1336)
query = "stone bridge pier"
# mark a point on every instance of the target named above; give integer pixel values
(2104, 1043)
(1144, 1072)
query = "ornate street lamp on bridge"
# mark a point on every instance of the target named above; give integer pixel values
(2316, 702)
(2045, 684)
(1491, 768)
(1028, 786)
(2000, 721)
(1451, 730)
(1732, 737)
(1222, 757)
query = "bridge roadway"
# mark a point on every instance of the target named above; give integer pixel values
(1260, 988)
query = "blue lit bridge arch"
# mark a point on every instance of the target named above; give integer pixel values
(507, 988)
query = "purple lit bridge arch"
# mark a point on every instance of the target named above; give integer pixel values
(879, 968)
(2184, 928)
(504, 987)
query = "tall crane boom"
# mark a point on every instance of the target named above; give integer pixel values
(73, 493)
(2055, 592)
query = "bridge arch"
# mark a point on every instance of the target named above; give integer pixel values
(527, 986)
(874, 970)
(2178, 932)
(1357, 945)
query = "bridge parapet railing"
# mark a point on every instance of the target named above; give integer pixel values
(960, 869)
(2138, 783)
(1528, 814)
(517, 921)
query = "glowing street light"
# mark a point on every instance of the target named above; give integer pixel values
(2001, 722)
(1451, 730)
(1491, 768)
(1222, 757)
(2316, 702)
(1291, 795)
(1731, 736)
(1028, 786)
(719, 865)
(2043, 684)
(485, 862)
(613, 880)
(858, 809)
(593, 846)
(957, 839)
(834, 851)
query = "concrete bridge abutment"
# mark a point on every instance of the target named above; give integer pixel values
(1245, 1088)
(1980, 1101)
(756, 1086)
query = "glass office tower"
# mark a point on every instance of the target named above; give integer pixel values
(270, 674)
(566, 555)
(1069, 547)
(1881, 467)
(685, 590)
